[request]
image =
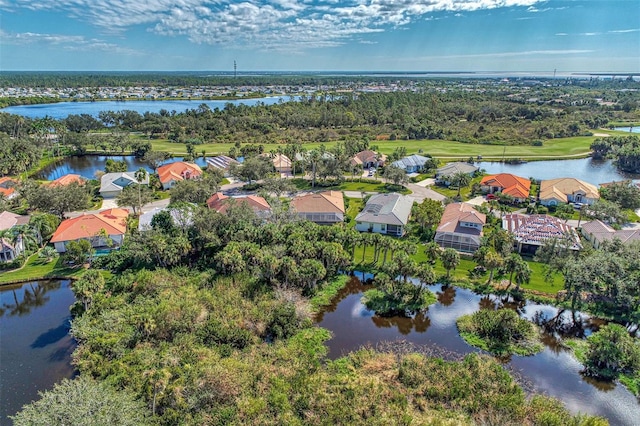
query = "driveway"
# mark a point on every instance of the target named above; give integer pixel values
(426, 182)
(419, 193)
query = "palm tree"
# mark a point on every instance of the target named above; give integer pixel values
(450, 260)
(140, 176)
(460, 179)
(432, 250)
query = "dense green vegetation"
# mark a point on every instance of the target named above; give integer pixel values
(501, 332)
(624, 149)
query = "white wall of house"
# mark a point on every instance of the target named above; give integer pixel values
(378, 228)
(116, 241)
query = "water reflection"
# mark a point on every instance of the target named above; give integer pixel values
(32, 295)
(554, 371)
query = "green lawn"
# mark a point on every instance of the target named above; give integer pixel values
(37, 268)
(551, 149)
(347, 185)
(354, 206)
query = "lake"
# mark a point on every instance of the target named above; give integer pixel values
(64, 109)
(36, 346)
(628, 129)
(87, 165)
(553, 372)
(586, 169)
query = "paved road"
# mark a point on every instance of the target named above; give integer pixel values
(419, 193)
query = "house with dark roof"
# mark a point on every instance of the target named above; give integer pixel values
(445, 172)
(597, 232)
(460, 228)
(514, 186)
(412, 163)
(324, 208)
(385, 214)
(104, 229)
(532, 231)
(112, 184)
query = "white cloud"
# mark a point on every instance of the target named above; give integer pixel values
(65, 41)
(633, 30)
(267, 24)
(514, 54)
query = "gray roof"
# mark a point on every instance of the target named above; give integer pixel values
(221, 162)
(457, 167)
(107, 181)
(144, 222)
(391, 209)
(414, 160)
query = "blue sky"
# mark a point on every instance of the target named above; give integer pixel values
(321, 35)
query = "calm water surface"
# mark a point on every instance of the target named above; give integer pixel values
(553, 372)
(586, 169)
(64, 109)
(35, 346)
(87, 165)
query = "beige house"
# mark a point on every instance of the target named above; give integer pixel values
(597, 232)
(554, 192)
(460, 228)
(323, 208)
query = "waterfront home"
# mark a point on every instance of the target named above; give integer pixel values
(385, 214)
(221, 162)
(367, 159)
(112, 184)
(412, 163)
(444, 173)
(460, 228)
(9, 249)
(171, 173)
(104, 229)
(567, 190)
(67, 179)
(7, 187)
(221, 203)
(323, 208)
(532, 231)
(597, 232)
(514, 186)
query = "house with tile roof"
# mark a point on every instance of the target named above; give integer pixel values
(554, 192)
(7, 187)
(514, 186)
(221, 203)
(112, 184)
(532, 231)
(368, 158)
(411, 164)
(597, 232)
(93, 227)
(171, 173)
(280, 162)
(324, 208)
(385, 214)
(9, 250)
(460, 228)
(68, 179)
(445, 172)
(221, 162)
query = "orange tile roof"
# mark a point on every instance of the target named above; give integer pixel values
(512, 185)
(7, 186)
(321, 202)
(6, 192)
(67, 180)
(455, 213)
(220, 202)
(113, 221)
(178, 171)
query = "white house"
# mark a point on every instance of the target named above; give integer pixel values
(112, 184)
(385, 214)
(411, 164)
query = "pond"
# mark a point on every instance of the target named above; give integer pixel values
(553, 372)
(632, 129)
(586, 169)
(36, 346)
(64, 109)
(87, 165)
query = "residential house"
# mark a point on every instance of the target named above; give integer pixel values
(445, 172)
(597, 232)
(104, 229)
(367, 159)
(460, 228)
(385, 214)
(221, 203)
(321, 207)
(68, 179)
(171, 173)
(531, 232)
(181, 218)
(9, 250)
(221, 162)
(112, 184)
(567, 190)
(514, 186)
(280, 162)
(7, 187)
(411, 164)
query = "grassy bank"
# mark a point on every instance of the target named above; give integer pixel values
(328, 291)
(37, 269)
